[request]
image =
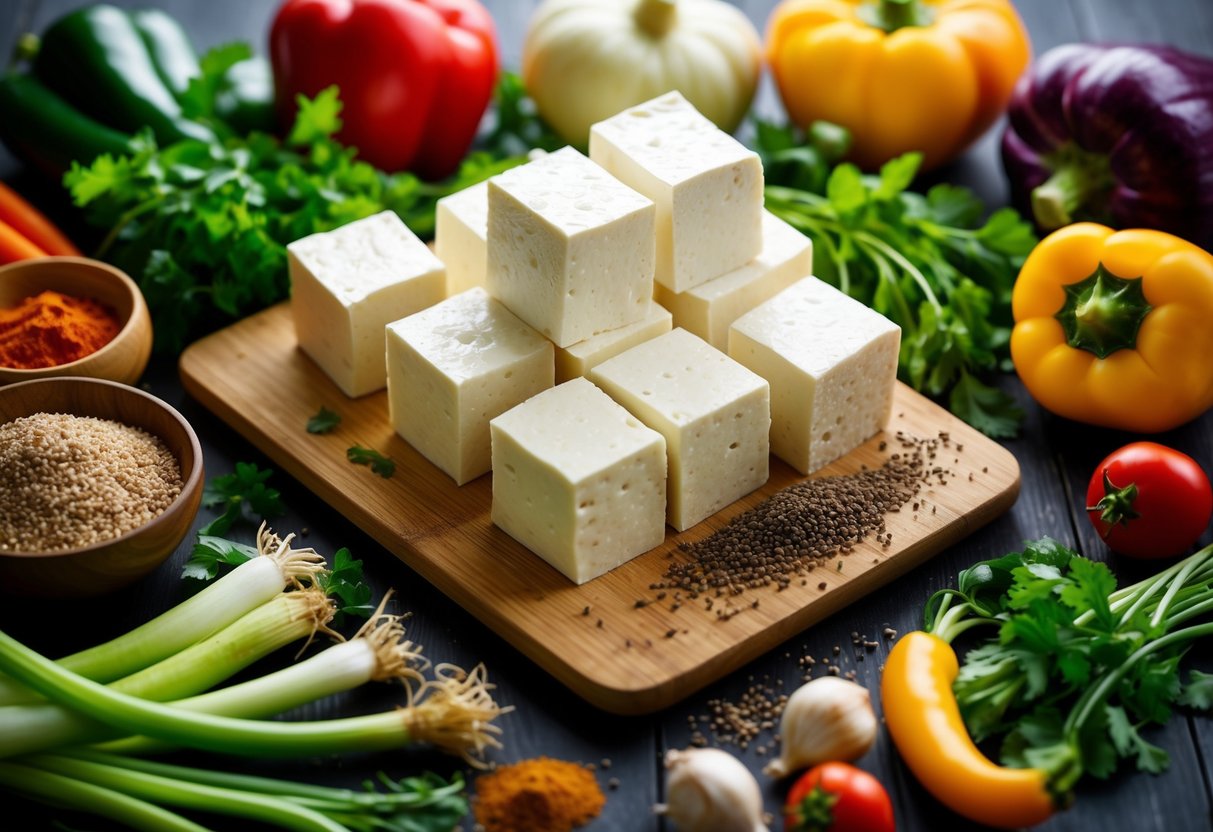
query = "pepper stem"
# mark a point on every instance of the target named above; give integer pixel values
(891, 15)
(656, 17)
(1080, 181)
(1103, 313)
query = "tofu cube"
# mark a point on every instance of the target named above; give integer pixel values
(570, 247)
(715, 416)
(706, 184)
(576, 360)
(832, 365)
(453, 367)
(348, 284)
(578, 480)
(708, 310)
(461, 237)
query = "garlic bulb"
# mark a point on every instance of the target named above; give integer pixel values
(826, 719)
(709, 790)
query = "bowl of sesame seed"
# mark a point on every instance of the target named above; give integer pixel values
(99, 484)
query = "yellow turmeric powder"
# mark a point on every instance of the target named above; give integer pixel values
(540, 795)
(51, 328)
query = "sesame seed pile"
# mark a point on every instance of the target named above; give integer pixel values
(69, 481)
(805, 524)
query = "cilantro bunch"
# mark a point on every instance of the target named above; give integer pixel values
(927, 262)
(203, 226)
(1078, 666)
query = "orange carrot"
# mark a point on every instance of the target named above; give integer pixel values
(14, 247)
(30, 222)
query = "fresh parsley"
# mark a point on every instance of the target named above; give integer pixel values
(203, 226)
(211, 552)
(344, 583)
(927, 262)
(1079, 667)
(324, 421)
(378, 463)
(242, 494)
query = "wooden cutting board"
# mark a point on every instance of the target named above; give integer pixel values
(617, 656)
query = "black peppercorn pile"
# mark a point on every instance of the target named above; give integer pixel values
(803, 525)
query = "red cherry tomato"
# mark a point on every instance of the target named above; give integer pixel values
(1149, 501)
(837, 797)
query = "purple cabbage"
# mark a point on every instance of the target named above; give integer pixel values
(1116, 134)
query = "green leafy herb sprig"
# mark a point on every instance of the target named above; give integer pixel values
(380, 464)
(203, 226)
(1078, 667)
(243, 494)
(927, 262)
(324, 421)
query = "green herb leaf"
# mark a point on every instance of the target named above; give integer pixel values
(198, 100)
(1198, 692)
(210, 552)
(318, 118)
(344, 581)
(986, 408)
(242, 494)
(379, 463)
(324, 421)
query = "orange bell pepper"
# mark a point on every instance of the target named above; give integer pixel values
(901, 75)
(1112, 328)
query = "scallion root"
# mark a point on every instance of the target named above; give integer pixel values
(454, 711)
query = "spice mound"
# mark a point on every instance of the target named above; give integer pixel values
(540, 795)
(51, 328)
(70, 481)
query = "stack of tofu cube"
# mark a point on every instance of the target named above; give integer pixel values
(626, 337)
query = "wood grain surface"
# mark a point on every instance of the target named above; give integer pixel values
(617, 656)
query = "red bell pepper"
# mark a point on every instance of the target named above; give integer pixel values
(415, 75)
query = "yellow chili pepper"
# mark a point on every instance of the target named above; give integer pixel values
(901, 75)
(925, 724)
(1115, 328)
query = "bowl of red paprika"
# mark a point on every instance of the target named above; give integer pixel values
(71, 316)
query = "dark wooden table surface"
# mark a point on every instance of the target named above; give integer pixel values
(1056, 458)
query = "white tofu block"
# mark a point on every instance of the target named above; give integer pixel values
(453, 367)
(715, 416)
(460, 237)
(710, 308)
(576, 360)
(706, 184)
(832, 365)
(570, 247)
(348, 284)
(578, 480)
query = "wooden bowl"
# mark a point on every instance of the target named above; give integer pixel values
(106, 566)
(122, 359)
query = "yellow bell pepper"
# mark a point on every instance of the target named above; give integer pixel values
(901, 75)
(1115, 328)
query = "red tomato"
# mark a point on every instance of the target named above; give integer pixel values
(1149, 501)
(837, 797)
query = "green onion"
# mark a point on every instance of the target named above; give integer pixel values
(413, 803)
(283, 619)
(67, 793)
(245, 588)
(378, 652)
(178, 793)
(454, 712)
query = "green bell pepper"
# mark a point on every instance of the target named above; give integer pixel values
(97, 60)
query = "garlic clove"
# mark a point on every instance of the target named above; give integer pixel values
(709, 790)
(826, 719)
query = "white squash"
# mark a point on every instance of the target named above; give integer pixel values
(585, 60)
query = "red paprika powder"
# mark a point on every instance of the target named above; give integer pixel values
(51, 328)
